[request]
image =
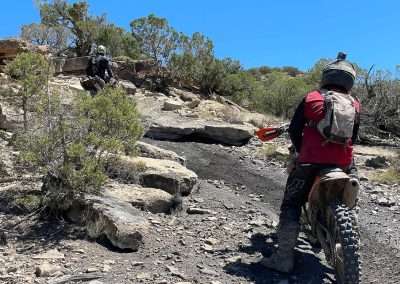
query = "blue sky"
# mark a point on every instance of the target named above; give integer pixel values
(260, 32)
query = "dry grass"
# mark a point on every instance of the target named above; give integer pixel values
(268, 150)
(232, 116)
(389, 176)
(207, 115)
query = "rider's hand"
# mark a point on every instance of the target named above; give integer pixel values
(292, 159)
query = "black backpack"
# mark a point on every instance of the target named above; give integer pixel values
(93, 66)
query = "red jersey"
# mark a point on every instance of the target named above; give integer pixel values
(313, 150)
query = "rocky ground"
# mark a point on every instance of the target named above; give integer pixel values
(225, 226)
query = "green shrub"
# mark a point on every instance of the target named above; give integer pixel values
(3, 170)
(71, 147)
(28, 203)
(31, 71)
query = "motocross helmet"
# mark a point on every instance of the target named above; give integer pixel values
(101, 49)
(339, 72)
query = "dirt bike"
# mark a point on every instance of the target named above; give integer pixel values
(94, 84)
(330, 219)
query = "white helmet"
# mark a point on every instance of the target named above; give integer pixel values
(101, 49)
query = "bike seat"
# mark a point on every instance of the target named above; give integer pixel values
(330, 174)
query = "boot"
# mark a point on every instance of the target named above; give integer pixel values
(283, 259)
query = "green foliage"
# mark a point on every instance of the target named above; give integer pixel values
(277, 93)
(113, 118)
(240, 85)
(39, 34)
(72, 146)
(31, 70)
(3, 135)
(84, 28)
(158, 41)
(28, 203)
(198, 64)
(313, 76)
(260, 72)
(118, 41)
(3, 170)
(283, 94)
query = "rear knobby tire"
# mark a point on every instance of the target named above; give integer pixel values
(345, 258)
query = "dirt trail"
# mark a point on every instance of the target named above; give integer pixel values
(380, 229)
(243, 192)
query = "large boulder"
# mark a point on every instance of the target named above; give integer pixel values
(10, 47)
(4, 124)
(76, 64)
(167, 175)
(153, 199)
(190, 99)
(151, 151)
(230, 134)
(129, 87)
(121, 223)
(377, 162)
(172, 105)
(10, 118)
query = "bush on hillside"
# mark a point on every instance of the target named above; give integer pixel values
(157, 40)
(197, 63)
(31, 70)
(118, 41)
(72, 146)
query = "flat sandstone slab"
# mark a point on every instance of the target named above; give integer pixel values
(153, 199)
(122, 224)
(169, 176)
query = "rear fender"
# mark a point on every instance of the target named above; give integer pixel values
(350, 193)
(333, 183)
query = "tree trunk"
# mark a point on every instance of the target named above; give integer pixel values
(25, 110)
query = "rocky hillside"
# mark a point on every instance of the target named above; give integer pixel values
(202, 209)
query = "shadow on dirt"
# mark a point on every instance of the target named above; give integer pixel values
(308, 268)
(23, 218)
(105, 242)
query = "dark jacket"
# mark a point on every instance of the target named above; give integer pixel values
(98, 65)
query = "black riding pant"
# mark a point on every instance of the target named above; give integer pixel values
(298, 186)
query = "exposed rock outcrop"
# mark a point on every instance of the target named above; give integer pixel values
(129, 87)
(121, 223)
(172, 105)
(231, 134)
(152, 199)
(190, 100)
(65, 65)
(151, 151)
(10, 47)
(9, 118)
(3, 121)
(167, 175)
